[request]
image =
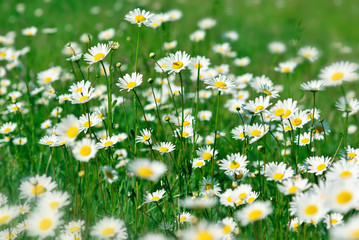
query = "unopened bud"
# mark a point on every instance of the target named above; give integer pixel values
(152, 55)
(68, 44)
(150, 80)
(81, 173)
(167, 118)
(118, 65)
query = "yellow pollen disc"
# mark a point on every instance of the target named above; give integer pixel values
(242, 195)
(207, 156)
(108, 143)
(226, 229)
(98, 56)
(7, 130)
(321, 167)
(108, 231)
(307, 55)
(37, 190)
(296, 122)
(198, 66)
(101, 116)
(109, 174)
(158, 99)
(15, 108)
(249, 200)
(146, 137)
(255, 133)
(183, 218)
(311, 210)
(145, 172)
(2, 54)
(155, 198)
(305, 140)
(346, 174)
(47, 80)
(10, 236)
(140, 18)
(45, 224)
(295, 224)
(72, 132)
(205, 235)
(199, 164)
(220, 84)
(208, 186)
(258, 108)
(242, 135)
(163, 149)
(254, 215)
(79, 89)
(234, 165)
(351, 155)
(131, 85)
(229, 199)
(286, 70)
(185, 134)
(344, 197)
(239, 202)
(22, 210)
(354, 234)
(54, 204)
(267, 92)
(293, 189)
(87, 124)
(333, 221)
(3, 219)
(319, 129)
(278, 176)
(177, 65)
(74, 229)
(287, 113)
(186, 123)
(85, 151)
(337, 76)
(83, 98)
(240, 96)
(279, 112)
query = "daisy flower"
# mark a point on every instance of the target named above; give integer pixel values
(110, 174)
(343, 196)
(48, 76)
(81, 92)
(139, 17)
(349, 230)
(106, 34)
(184, 217)
(129, 82)
(304, 139)
(198, 163)
(220, 83)
(239, 132)
(298, 119)
(343, 171)
(201, 231)
(313, 86)
(97, 53)
(7, 214)
(198, 203)
(30, 31)
(259, 105)
(43, 223)
(204, 115)
(207, 188)
(107, 142)
(309, 207)
(337, 72)
(252, 196)
(254, 212)
(197, 36)
(36, 186)
(8, 127)
(169, 45)
(318, 164)
(68, 128)
(75, 227)
(294, 224)
(242, 191)
(207, 23)
(144, 136)
(155, 196)
(228, 226)
(206, 153)
(199, 62)
(256, 131)
(350, 106)
(164, 147)
(310, 53)
(268, 90)
(293, 186)
(333, 219)
(109, 228)
(54, 200)
(228, 198)
(286, 67)
(84, 150)
(277, 47)
(86, 121)
(233, 164)
(283, 109)
(150, 170)
(277, 172)
(242, 62)
(174, 63)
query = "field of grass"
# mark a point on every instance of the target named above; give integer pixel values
(61, 179)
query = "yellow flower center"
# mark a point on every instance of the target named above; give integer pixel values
(234, 165)
(344, 197)
(205, 235)
(239, 176)
(186, 123)
(286, 70)
(346, 174)
(278, 176)
(307, 55)
(208, 186)
(255, 133)
(183, 218)
(207, 156)
(45, 224)
(163, 149)
(83, 98)
(249, 200)
(37, 190)
(87, 124)
(79, 89)
(242, 135)
(54, 204)
(198, 66)
(10, 236)
(355, 234)
(311, 210)
(319, 129)
(7, 130)
(131, 85)
(140, 18)
(351, 155)
(293, 189)
(155, 198)
(146, 137)
(229, 199)
(305, 140)
(3, 219)
(98, 56)
(185, 134)
(109, 174)
(220, 84)
(47, 79)
(321, 167)
(296, 122)
(258, 108)
(226, 229)
(177, 65)
(287, 113)
(337, 76)
(254, 215)
(198, 164)
(267, 92)
(279, 112)
(145, 172)
(242, 195)
(333, 221)
(85, 151)
(74, 229)
(108, 231)
(2, 54)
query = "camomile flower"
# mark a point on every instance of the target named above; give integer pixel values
(348, 106)
(337, 72)
(204, 115)
(75, 227)
(333, 219)
(8, 127)
(88, 120)
(48, 76)
(298, 119)
(313, 86)
(349, 230)
(220, 83)
(318, 164)
(9, 233)
(228, 226)
(197, 36)
(351, 153)
(84, 150)
(222, 49)
(286, 67)
(169, 45)
(129, 82)
(343, 170)
(107, 142)
(8, 213)
(68, 128)
(155, 196)
(283, 109)
(174, 15)
(174, 63)
(139, 17)
(197, 203)
(150, 170)
(186, 132)
(259, 105)
(50, 140)
(239, 132)
(109, 228)
(207, 23)
(277, 47)
(198, 163)
(202, 231)
(43, 223)
(343, 196)
(268, 90)
(256, 131)
(209, 187)
(20, 141)
(242, 191)
(277, 172)
(206, 153)
(233, 164)
(294, 224)
(36, 186)
(164, 147)
(294, 186)
(54, 200)
(30, 31)
(81, 92)
(184, 217)
(228, 198)
(310, 53)
(97, 53)
(120, 137)
(304, 139)
(110, 174)
(144, 136)
(199, 62)
(254, 212)
(24, 208)
(106, 34)
(242, 62)
(251, 197)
